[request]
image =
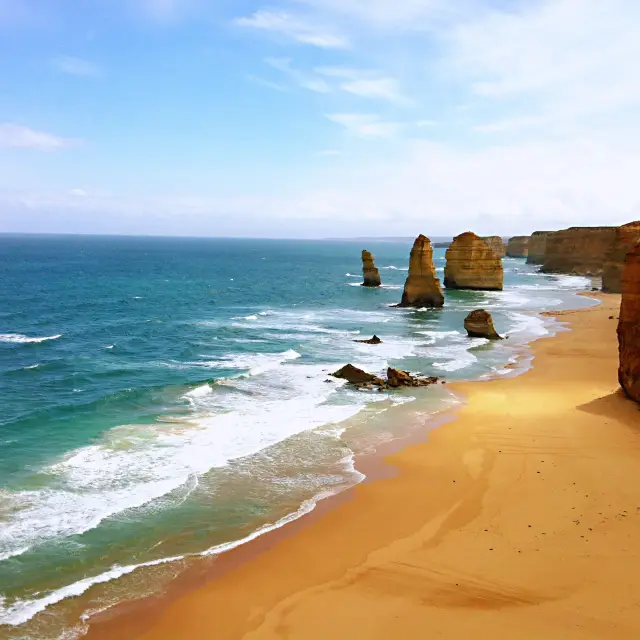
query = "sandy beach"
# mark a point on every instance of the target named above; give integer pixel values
(520, 518)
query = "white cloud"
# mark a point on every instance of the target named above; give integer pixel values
(377, 88)
(18, 136)
(302, 79)
(511, 124)
(267, 83)
(293, 27)
(366, 125)
(75, 66)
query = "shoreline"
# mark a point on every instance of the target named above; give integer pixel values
(199, 590)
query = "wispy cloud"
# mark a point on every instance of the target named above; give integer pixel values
(17, 136)
(75, 66)
(511, 124)
(302, 79)
(266, 83)
(366, 83)
(366, 125)
(295, 28)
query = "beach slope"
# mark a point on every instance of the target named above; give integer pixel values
(518, 519)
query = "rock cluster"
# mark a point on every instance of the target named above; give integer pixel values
(369, 270)
(471, 264)
(374, 340)
(422, 288)
(497, 244)
(395, 378)
(629, 326)
(479, 324)
(518, 247)
(538, 246)
(578, 250)
(625, 239)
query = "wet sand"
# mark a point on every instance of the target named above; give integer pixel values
(519, 519)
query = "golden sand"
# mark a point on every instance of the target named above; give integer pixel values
(520, 519)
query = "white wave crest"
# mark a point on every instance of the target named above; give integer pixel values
(19, 338)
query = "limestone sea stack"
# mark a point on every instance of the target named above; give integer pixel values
(479, 324)
(629, 326)
(625, 239)
(578, 250)
(472, 264)
(518, 247)
(538, 246)
(369, 270)
(422, 288)
(497, 244)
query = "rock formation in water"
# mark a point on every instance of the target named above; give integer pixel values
(626, 237)
(538, 246)
(497, 244)
(629, 326)
(369, 270)
(353, 375)
(397, 378)
(578, 250)
(518, 247)
(422, 288)
(471, 264)
(479, 324)
(374, 340)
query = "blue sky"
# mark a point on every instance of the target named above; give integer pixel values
(312, 118)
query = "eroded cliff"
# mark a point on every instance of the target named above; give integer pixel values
(578, 250)
(472, 264)
(422, 287)
(629, 326)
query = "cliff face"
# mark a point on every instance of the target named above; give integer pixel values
(538, 246)
(518, 247)
(422, 288)
(497, 244)
(471, 264)
(625, 239)
(629, 326)
(371, 274)
(578, 250)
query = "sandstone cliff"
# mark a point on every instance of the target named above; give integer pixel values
(518, 247)
(629, 326)
(479, 324)
(625, 239)
(578, 250)
(538, 246)
(369, 270)
(422, 288)
(471, 264)
(497, 244)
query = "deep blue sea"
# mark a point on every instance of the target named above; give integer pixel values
(166, 398)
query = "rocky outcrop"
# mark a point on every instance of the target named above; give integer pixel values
(356, 376)
(625, 239)
(629, 326)
(518, 247)
(471, 264)
(497, 244)
(479, 324)
(369, 270)
(538, 246)
(374, 340)
(395, 378)
(422, 288)
(578, 250)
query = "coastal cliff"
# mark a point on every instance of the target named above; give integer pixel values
(369, 270)
(578, 250)
(518, 247)
(422, 287)
(629, 326)
(538, 246)
(472, 264)
(625, 239)
(497, 244)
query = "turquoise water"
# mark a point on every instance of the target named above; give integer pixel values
(164, 398)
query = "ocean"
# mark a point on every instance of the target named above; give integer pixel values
(167, 398)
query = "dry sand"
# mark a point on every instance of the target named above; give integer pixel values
(520, 519)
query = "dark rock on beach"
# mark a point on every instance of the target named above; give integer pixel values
(395, 378)
(374, 340)
(479, 324)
